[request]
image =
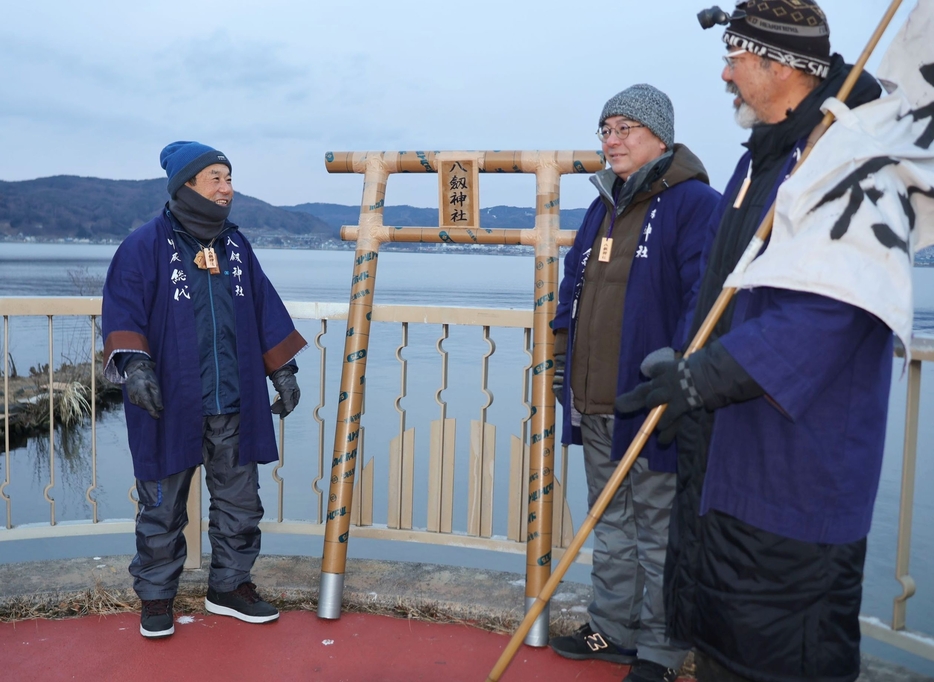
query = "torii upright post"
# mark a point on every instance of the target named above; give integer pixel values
(353, 384)
(369, 234)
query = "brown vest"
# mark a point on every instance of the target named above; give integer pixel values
(595, 361)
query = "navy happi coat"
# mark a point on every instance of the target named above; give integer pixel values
(147, 308)
(804, 460)
(657, 295)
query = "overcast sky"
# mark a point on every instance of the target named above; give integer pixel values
(97, 88)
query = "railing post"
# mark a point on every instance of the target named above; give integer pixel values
(48, 488)
(6, 423)
(350, 403)
(542, 454)
(907, 499)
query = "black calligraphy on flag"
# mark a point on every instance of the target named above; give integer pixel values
(852, 184)
(926, 111)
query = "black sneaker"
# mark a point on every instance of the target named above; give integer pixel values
(156, 618)
(585, 643)
(649, 671)
(242, 603)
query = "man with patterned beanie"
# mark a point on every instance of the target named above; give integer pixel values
(780, 418)
(192, 329)
(627, 281)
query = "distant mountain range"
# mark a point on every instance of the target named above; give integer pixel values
(67, 207)
(495, 217)
(71, 208)
(96, 210)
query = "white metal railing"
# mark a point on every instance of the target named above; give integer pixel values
(476, 527)
(477, 532)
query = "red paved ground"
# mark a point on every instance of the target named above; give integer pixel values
(299, 646)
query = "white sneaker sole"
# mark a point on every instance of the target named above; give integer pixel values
(227, 611)
(159, 633)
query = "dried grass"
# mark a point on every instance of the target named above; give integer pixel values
(433, 612)
(72, 403)
(102, 602)
(96, 601)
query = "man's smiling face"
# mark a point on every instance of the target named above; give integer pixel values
(628, 154)
(215, 184)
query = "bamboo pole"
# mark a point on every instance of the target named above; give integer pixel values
(353, 376)
(716, 312)
(542, 446)
(490, 161)
(460, 235)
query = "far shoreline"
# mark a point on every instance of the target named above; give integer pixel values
(925, 260)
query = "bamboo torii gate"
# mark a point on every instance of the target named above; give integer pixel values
(458, 224)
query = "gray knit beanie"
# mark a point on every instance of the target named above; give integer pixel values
(646, 105)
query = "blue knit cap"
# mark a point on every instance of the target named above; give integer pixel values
(184, 160)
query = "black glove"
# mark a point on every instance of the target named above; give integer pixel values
(283, 380)
(557, 384)
(142, 386)
(711, 378)
(671, 382)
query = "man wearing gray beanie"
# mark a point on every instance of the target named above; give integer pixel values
(192, 329)
(622, 305)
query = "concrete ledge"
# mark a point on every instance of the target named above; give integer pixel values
(490, 599)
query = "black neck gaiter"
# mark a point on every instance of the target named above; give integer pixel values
(199, 216)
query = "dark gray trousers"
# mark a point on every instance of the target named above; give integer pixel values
(234, 517)
(630, 542)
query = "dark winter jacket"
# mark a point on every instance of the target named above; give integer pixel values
(668, 221)
(216, 322)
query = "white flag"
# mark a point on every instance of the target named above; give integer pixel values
(848, 222)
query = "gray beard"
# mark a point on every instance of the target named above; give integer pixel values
(745, 116)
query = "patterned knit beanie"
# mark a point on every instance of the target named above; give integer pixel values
(646, 105)
(184, 160)
(791, 32)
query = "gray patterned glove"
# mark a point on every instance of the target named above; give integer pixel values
(142, 386)
(283, 380)
(671, 382)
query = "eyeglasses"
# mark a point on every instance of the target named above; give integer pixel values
(730, 56)
(621, 133)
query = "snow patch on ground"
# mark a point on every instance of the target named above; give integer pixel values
(327, 642)
(185, 620)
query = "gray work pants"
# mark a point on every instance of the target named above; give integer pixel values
(630, 543)
(234, 517)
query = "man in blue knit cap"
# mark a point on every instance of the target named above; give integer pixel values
(192, 329)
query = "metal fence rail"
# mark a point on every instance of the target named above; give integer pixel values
(476, 530)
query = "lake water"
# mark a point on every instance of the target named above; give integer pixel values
(403, 278)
